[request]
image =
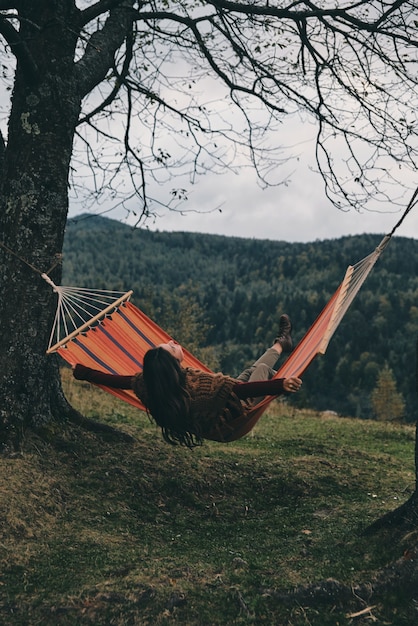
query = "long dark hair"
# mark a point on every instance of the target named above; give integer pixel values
(168, 400)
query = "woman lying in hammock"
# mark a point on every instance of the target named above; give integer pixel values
(190, 405)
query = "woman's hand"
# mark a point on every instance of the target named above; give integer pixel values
(291, 385)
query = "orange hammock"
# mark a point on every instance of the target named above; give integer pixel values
(117, 337)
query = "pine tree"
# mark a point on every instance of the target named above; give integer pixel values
(387, 402)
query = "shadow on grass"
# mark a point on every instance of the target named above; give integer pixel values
(98, 532)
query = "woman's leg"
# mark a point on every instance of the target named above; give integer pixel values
(264, 368)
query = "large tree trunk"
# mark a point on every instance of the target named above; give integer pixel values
(34, 203)
(48, 90)
(405, 517)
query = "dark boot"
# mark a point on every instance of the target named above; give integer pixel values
(283, 337)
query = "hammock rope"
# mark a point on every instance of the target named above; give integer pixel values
(79, 309)
(117, 337)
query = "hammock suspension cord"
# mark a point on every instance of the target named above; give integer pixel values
(124, 334)
(102, 329)
(58, 260)
(79, 309)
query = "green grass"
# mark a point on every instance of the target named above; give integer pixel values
(99, 532)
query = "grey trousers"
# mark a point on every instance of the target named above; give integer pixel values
(263, 369)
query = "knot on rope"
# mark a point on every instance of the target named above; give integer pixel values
(50, 282)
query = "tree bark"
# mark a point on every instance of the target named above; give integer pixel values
(48, 90)
(399, 576)
(405, 517)
(34, 205)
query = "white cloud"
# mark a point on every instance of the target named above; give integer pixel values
(296, 212)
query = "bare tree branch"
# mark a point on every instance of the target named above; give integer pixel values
(332, 62)
(120, 77)
(98, 9)
(98, 57)
(18, 46)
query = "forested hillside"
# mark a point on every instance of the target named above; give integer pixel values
(222, 297)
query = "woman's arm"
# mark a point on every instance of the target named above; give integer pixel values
(81, 372)
(273, 387)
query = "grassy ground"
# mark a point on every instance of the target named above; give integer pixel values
(95, 532)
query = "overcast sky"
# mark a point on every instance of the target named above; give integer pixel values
(297, 212)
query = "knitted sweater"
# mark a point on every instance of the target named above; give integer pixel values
(212, 401)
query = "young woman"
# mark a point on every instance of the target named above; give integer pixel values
(190, 405)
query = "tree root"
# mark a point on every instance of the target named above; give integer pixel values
(63, 409)
(402, 519)
(401, 575)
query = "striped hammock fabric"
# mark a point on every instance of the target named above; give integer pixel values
(115, 339)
